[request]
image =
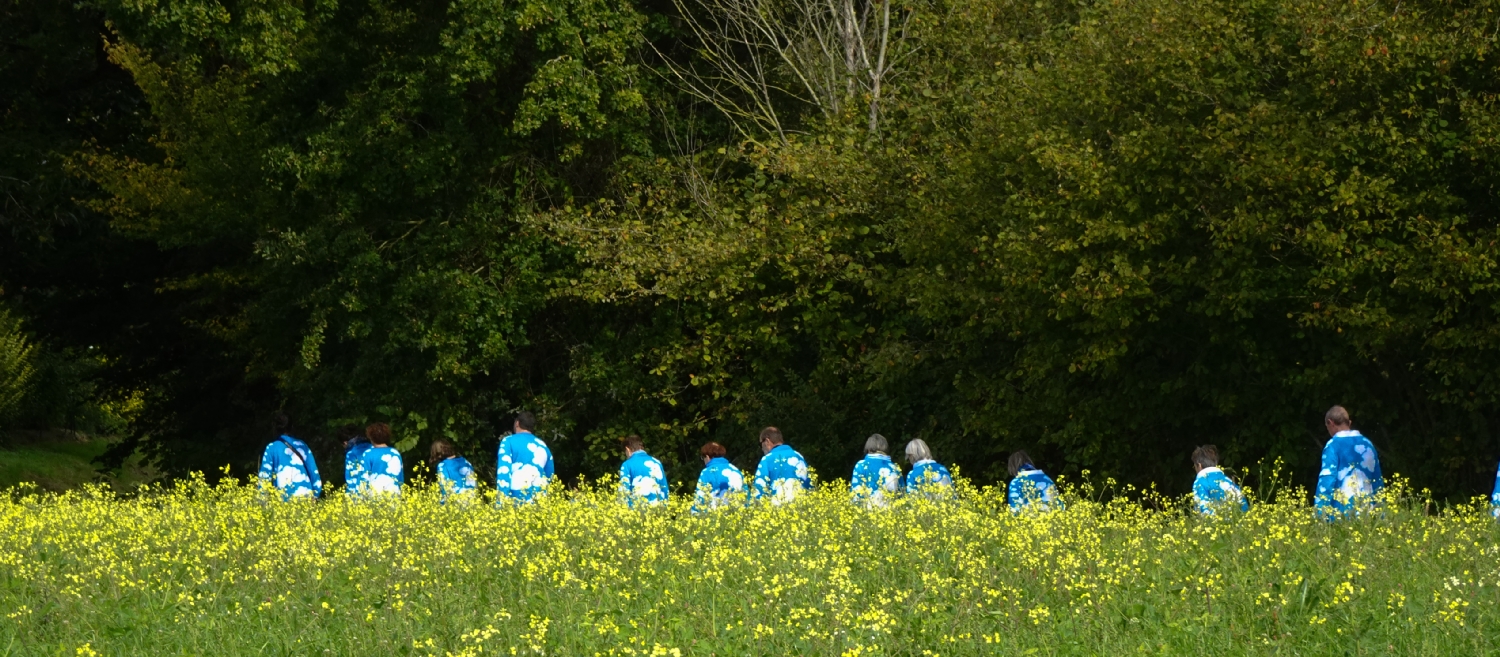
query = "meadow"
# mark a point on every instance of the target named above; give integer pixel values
(197, 569)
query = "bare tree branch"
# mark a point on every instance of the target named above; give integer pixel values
(754, 57)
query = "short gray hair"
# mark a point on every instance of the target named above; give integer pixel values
(876, 443)
(1338, 415)
(917, 450)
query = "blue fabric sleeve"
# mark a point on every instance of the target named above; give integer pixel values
(1327, 479)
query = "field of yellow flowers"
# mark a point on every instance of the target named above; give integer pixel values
(199, 569)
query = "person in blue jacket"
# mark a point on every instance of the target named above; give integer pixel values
(1350, 476)
(643, 482)
(382, 471)
(455, 476)
(287, 464)
(1212, 489)
(523, 465)
(1495, 497)
(355, 446)
(876, 477)
(782, 475)
(1030, 488)
(927, 478)
(720, 484)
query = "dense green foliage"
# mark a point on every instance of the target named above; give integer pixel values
(208, 570)
(1104, 231)
(16, 368)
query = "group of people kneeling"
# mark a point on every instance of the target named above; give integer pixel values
(1350, 474)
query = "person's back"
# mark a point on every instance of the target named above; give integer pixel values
(720, 484)
(928, 478)
(381, 465)
(353, 455)
(523, 467)
(287, 464)
(1495, 497)
(1030, 489)
(876, 477)
(1212, 489)
(1350, 475)
(782, 475)
(643, 481)
(455, 474)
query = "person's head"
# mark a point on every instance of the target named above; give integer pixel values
(632, 444)
(379, 434)
(1019, 460)
(1206, 456)
(1336, 420)
(525, 421)
(280, 422)
(712, 451)
(876, 444)
(917, 450)
(348, 434)
(770, 437)
(442, 450)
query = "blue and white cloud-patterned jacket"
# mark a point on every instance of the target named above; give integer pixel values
(875, 481)
(1212, 490)
(455, 477)
(720, 484)
(1495, 497)
(523, 467)
(643, 482)
(383, 471)
(1350, 476)
(1032, 489)
(781, 476)
(929, 479)
(352, 474)
(295, 473)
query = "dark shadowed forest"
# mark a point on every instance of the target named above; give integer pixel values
(1102, 231)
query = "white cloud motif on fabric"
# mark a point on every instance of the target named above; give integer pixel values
(799, 465)
(383, 483)
(288, 476)
(654, 468)
(538, 453)
(1229, 489)
(392, 463)
(645, 486)
(526, 476)
(785, 490)
(1356, 484)
(735, 479)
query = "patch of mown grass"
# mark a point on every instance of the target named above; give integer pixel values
(64, 461)
(194, 569)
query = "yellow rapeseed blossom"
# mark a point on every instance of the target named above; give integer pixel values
(199, 569)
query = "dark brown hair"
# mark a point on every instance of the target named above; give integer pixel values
(442, 450)
(1206, 456)
(713, 450)
(771, 435)
(527, 420)
(379, 433)
(633, 442)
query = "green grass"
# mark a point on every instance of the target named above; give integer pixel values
(224, 571)
(59, 462)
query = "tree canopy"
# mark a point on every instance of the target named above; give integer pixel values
(1103, 231)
